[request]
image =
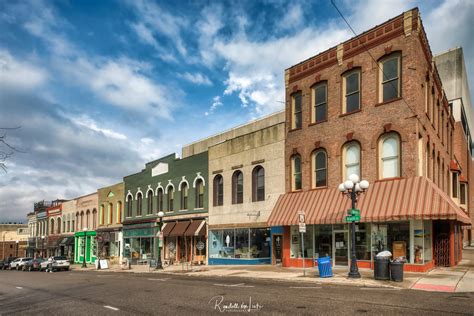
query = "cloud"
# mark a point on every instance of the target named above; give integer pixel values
(293, 18)
(216, 102)
(196, 78)
(85, 121)
(19, 74)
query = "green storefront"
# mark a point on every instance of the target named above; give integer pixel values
(90, 247)
(140, 242)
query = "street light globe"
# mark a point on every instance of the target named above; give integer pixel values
(84, 229)
(348, 184)
(161, 214)
(357, 187)
(354, 178)
(17, 241)
(42, 237)
(364, 184)
(341, 187)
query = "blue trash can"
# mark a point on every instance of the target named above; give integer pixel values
(324, 267)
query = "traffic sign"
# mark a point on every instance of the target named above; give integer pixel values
(353, 211)
(352, 218)
(302, 228)
(301, 217)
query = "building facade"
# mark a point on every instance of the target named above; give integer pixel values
(246, 177)
(31, 243)
(109, 231)
(54, 214)
(66, 244)
(13, 240)
(383, 116)
(41, 233)
(86, 224)
(177, 187)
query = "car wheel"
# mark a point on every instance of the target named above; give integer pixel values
(30, 269)
(17, 268)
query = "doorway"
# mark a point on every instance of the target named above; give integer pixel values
(277, 245)
(340, 240)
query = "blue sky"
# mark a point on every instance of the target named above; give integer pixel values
(101, 87)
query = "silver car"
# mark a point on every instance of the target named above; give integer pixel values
(19, 263)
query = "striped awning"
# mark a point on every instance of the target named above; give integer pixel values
(391, 200)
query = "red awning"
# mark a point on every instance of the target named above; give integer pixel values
(401, 199)
(168, 228)
(195, 228)
(179, 228)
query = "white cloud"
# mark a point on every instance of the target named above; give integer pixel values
(196, 78)
(17, 74)
(147, 141)
(216, 102)
(89, 123)
(293, 18)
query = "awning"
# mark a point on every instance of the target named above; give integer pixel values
(196, 228)
(401, 199)
(179, 228)
(66, 241)
(167, 228)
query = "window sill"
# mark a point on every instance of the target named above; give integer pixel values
(316, 123)
(389, 179)
(319, 188)
(183, 210)
(199, 208)
(294, 191)
(294, 129)
(387, 102)
(349, 113)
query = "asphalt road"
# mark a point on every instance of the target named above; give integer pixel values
(99, 293)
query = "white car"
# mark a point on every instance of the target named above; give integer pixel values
(54, 264)
(19, 263)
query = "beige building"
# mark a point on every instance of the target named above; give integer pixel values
(69, 227)
(86, 212)
(13, 240)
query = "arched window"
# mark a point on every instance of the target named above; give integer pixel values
(320, 170)
(58, 226)
(296, 173)
(129, 206)
(319, 102)
(389, 156)
(199, 194)
(101, 215)
(218, 190)
(94, 219)
(77, 221)
(389, 78)
(160, 200)
(184, 196)
(170, 199)
(296, 110)
(88, 215)
(258, 184)
(149, 200)
(237, 187)
(119, 212)
(111, 213)
(52, 226)
(351, 159)
(82, 221)
(351, 88)
(139, 204)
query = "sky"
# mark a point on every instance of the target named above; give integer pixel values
(98, 88)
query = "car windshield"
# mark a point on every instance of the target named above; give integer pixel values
(27, 259)
(60, 258)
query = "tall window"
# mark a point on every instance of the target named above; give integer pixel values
(94, 219)
(82, 221)
(88, 215)
(320, 102)
(199, 194)
(160, 200)
(218, 190)
(52, 226)
(58, 231)
(119, 212)
(139, 204)
(149, 202)
(319, 168)
(237, 187)
(111, 213)
(170, 199)
(389, 156)
(351, 88)
(351, 158)
(101, 215)
(389, 75)
(184, 196)
(258, 184)
(129, 206)
(463, 193)
(296, 105)
(296, 173)
(454, 185)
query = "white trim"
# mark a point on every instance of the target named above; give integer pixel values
(128, 195)
(198, 176)
(152, 192)
(159, 187)
(183, 180)
(138, 191)
(199, 228)
(168, 185)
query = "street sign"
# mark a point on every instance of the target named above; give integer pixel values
(301, 217)
(302, 227)
(353, 211)
(352, 218)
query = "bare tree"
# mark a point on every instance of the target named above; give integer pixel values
(6, 150)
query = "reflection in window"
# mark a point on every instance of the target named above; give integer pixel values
(390, 156)
(351, 159)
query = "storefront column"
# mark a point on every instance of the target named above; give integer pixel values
(286, 246)
(452, 261)
(412, 241)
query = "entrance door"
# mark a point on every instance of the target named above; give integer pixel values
(277, 248)
(340, 241)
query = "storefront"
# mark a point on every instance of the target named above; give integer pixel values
(109, 243)
(86, 244)
(185, 241)
(66, 247)
(140, 242)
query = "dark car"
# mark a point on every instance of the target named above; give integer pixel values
(6, 263)
(2, 263)
(33, 264)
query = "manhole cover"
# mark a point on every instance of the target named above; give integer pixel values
(301, 307)
(362, 311)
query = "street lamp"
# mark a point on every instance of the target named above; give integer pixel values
(352, 188)
(17, 242)
(42, 246)
(159, 264)
(84, 265)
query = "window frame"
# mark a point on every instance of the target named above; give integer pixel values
(149, 202)
(293, 110)
(139, 204)
(218, 190)
(255, 188)
(382, 140)
(344, 90)
(184, 196)
(315, 105)
(237, 181)
(315, 168)
(294, 173)
(382, 82)
(345, 148)
(199, 196)
(170, 198)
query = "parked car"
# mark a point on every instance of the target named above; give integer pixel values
(18, 263)
(55, 264)
(6, 263)
(2, 264)
(33, 264)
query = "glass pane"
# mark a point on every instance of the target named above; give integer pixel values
(320, 112)
(390, 168)
(390, 90)
(242, 243)
(362, 233)
(297, 102)
(321, 178)
(228, 242)
(352, 83)
(323, 241)
(298, 181)
(353, 169)
(390, 69)
(352, 154)
(320, 160)
(298, 120)
(259, 243)
(352, 102)
(390, 147)
(320, 92)
(297, 164)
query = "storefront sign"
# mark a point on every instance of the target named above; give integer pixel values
(200, 245)
(302, 228)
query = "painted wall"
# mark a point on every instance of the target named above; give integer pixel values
(111, 199)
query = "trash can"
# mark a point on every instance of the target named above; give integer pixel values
(396, 270)
(324, 267)
(381, 268)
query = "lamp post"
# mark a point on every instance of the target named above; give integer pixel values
(353, 188)
(17, 242)
(159, 264)
(84, 265)
(42, 246)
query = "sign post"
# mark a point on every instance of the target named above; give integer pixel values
(302, 229)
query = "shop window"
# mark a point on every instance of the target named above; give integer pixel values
(237, 187)
(394, 237)
(160, 200)
(389, 147)
(149, 202)
(259, 242)
(218, 192)
(389, 75)
(170, 199)
(319, 168)
(363, 241)
(184, 196)
(258, 184)
(199, 194)
(463, 193)
(297, 244)
(296, 173)
(296, 106)
(319, 102)
(322, 241)
(351, 88)
(139, 204)
(351, 159)
(242, 244)
(422, 242)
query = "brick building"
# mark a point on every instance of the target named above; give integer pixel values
(372, 106)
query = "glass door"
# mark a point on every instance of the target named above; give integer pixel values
(341, 247)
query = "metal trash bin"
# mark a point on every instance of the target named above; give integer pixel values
(381, 268)
(324, 267)
(396, 270)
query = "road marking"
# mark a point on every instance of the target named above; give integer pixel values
(112, 308)
(381, 288)
(165, 279)
(305, 287)
(19, 287)
(234, 285)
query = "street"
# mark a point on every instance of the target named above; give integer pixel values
(97, 293)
